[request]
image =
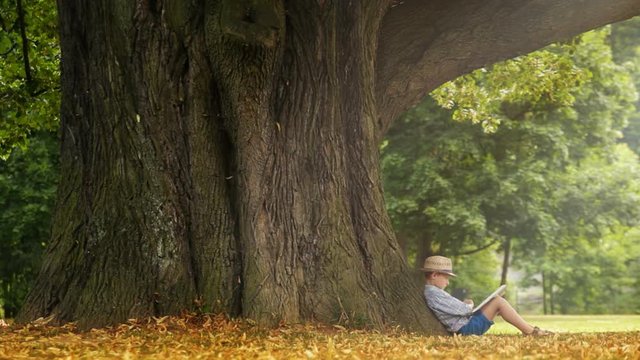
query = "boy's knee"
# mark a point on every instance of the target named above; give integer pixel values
(500, 300)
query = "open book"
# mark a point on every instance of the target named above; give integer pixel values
(499, 291)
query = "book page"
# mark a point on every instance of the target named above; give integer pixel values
(499, 291)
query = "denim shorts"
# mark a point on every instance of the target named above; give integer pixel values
(477, 325)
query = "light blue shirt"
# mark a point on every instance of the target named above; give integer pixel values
(451, 312)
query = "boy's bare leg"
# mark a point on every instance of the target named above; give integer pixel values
(501, 306)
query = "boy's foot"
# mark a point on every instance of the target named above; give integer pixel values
(3, 324)
(539, 332)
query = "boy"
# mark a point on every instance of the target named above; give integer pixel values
(456, 315)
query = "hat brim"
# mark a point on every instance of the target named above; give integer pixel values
(439, 271)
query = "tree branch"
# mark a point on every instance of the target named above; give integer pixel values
(25, 45)
(469, 252)
(423, 44)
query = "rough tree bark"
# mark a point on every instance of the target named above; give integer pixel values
(223, 155)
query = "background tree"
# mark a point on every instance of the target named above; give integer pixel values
(626, 51)
(536, 113)
(596, 203)
(588, 265)
(453, 188)
(224, 154)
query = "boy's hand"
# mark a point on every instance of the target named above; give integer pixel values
(468, 302)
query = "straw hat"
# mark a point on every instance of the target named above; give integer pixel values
(439, 264)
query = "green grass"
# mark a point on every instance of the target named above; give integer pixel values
(573, 323)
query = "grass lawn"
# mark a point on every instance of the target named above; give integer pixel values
(574, 323)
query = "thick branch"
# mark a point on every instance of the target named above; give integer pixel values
(423, 44)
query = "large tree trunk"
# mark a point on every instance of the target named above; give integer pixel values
(223, 155)
(221, 161)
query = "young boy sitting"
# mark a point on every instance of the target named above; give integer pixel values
(457, 316)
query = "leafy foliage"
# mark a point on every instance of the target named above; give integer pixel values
(189, 337)
(27, 191)
(592, 261)
(539, 81)
(461, 183)
(626, 51)
(29, 94)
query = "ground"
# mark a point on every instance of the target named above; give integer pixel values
(204, 337)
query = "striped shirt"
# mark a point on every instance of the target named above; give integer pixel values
(451, 312)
